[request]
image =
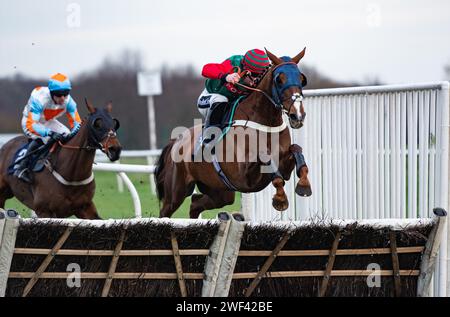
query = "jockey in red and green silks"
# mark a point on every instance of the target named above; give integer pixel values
(39, 121)
(220, 88)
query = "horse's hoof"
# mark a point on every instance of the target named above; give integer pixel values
(238, 216)
(280, 205)
(222, 216)
(304, 191)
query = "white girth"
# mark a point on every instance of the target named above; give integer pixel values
(259, 127)
(63, 181)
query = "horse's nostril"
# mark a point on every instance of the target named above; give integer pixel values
(293, 116)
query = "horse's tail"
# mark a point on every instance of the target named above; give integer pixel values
(160, 170)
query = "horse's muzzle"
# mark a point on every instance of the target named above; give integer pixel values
(113, 152)
(295, 122)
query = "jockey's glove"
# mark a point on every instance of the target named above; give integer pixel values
(233, 78)
(55, 136)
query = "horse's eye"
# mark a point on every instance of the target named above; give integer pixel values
(279, 81)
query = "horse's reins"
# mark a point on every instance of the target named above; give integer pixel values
(104, 147)
(73, 147)
(245, 72)
(260, 91)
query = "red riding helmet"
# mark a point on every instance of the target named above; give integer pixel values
(256, 61)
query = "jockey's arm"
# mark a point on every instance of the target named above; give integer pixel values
(217, 71)
(34, 115)
(73, 116)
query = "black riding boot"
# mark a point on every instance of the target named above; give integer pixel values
(23, 171)
(213, 120)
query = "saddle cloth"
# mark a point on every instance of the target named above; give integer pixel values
(36, 162)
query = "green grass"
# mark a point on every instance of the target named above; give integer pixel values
(113, 204)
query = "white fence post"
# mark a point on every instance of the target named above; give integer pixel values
(222, 257)
(444, 102)
(247, 206)
(151, 161)
(119, 180)
(430, 253)
(10, 224)
(134, 195)
(2, 224)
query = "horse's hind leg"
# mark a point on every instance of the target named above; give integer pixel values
(212, 199)
(175, 198)
(175, 191)
(279, 201)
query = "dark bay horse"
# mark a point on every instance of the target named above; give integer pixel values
(66, 186)
(279, 91)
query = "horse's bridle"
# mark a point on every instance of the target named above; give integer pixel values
(277, 101)
(111, 134)
(104, 147)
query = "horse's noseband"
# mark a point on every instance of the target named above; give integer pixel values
(105, 147)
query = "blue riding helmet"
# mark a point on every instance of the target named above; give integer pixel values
(59, 82)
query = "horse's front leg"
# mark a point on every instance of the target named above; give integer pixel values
(303, 187)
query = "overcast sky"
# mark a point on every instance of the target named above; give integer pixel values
(395, 41)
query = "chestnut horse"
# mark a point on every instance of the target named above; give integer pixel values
(66, 186)
(278, 92)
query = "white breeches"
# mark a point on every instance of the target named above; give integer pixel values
(53, 125)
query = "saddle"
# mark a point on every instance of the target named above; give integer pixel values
(37, 159)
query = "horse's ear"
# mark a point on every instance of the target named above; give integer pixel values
(89, 106)
(297, 58)
(109, 107)
(273, 58)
